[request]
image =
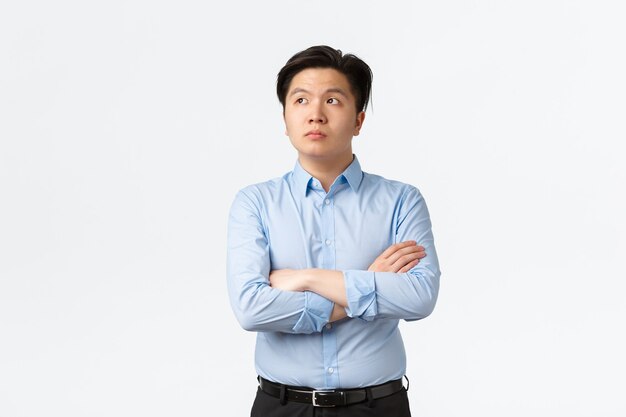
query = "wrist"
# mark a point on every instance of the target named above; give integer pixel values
(307, 277)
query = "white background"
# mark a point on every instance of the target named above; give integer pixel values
(126, 128)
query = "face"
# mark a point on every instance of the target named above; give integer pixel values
(320, 115)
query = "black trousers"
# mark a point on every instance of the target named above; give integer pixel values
(396, 405)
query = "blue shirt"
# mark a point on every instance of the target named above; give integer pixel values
(291, 222)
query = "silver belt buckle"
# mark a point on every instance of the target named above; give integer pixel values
(314, 399)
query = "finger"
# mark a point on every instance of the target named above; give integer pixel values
(409, 266)
(393, 248)
(402, 252)
(420, 248)
(417, 250)
(404, 260)
(381, 266)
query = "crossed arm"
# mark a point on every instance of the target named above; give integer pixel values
(400, 257)
(303, 301)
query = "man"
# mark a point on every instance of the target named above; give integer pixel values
(324, 261)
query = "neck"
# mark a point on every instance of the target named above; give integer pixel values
(326, 171)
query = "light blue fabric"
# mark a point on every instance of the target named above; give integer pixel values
(291, 222)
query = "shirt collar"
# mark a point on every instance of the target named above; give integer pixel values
(353, 175)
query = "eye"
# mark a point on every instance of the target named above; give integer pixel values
(332, 100)
(301, 100)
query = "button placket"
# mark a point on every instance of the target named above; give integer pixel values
(329, 336)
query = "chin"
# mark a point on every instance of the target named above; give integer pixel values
(313, 150)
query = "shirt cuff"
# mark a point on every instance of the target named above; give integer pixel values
(361, 294)
(316, 314)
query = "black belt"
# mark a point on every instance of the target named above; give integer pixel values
(330, 398)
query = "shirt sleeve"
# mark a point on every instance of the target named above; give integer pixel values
(411, 295)
(257, 306)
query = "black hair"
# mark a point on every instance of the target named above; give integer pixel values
(357, 72)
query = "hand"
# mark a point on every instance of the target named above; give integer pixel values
(338, 313)
(287, 279)
(400, 257)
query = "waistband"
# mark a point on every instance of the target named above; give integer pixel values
(329, 398)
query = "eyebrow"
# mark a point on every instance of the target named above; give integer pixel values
(330, 90)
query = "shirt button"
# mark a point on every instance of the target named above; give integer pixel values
(327, 201)
(331, 370)
(328, 242)
(315, 183)
(329, 326)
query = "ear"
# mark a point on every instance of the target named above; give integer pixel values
(285, 122)
(360, 118)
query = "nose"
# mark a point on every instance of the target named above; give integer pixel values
(317, 114)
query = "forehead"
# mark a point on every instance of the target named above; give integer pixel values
(319, 80)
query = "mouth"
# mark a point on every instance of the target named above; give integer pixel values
(315, 134)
